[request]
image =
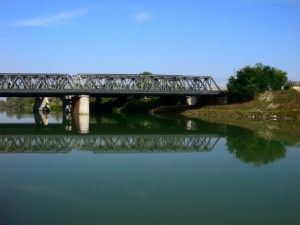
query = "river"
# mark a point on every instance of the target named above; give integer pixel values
(140, 169)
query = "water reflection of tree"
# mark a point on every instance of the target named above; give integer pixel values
(250, 148)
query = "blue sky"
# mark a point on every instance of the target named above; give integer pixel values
(209, 37)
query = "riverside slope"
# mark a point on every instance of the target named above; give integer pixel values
(283, 104)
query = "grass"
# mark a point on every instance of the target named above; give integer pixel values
(283, 104)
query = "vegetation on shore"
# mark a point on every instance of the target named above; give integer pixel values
(258, 92)
(272, 115)
(25, 104)
(251, 81)
(281, 104)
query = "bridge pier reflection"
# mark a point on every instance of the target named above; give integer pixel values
(70, 121)
(82, 122)
(41, 118)
(191, 125)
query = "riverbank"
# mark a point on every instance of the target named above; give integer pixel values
(272, 115)
(271, 105)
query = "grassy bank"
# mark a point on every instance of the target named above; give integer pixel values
(283, 104)
(272, 115)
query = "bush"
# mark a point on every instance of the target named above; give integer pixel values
(250, 81)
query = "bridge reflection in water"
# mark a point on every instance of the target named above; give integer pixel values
(106, 143)
(77, 132)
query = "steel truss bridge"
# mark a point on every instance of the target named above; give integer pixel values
(106, 143)
(48, 85)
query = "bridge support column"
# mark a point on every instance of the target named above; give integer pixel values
(192, 100)
(80, 104)
(67, 103)
(41, 104)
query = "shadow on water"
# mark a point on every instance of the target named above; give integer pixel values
(109, 133)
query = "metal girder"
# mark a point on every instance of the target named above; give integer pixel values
(101, 84)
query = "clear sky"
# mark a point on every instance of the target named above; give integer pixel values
(189, 37)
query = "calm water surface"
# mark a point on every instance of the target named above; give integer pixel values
(137, 169)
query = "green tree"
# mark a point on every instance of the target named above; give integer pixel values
(250, 81)
(19, 103)
(146, 73)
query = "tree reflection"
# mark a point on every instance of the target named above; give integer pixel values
(250, 148)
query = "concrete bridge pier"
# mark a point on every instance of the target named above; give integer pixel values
(81, 104)
(76, 104)
(41, 104)
(192, 100)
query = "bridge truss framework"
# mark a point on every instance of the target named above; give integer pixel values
(25, 84)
